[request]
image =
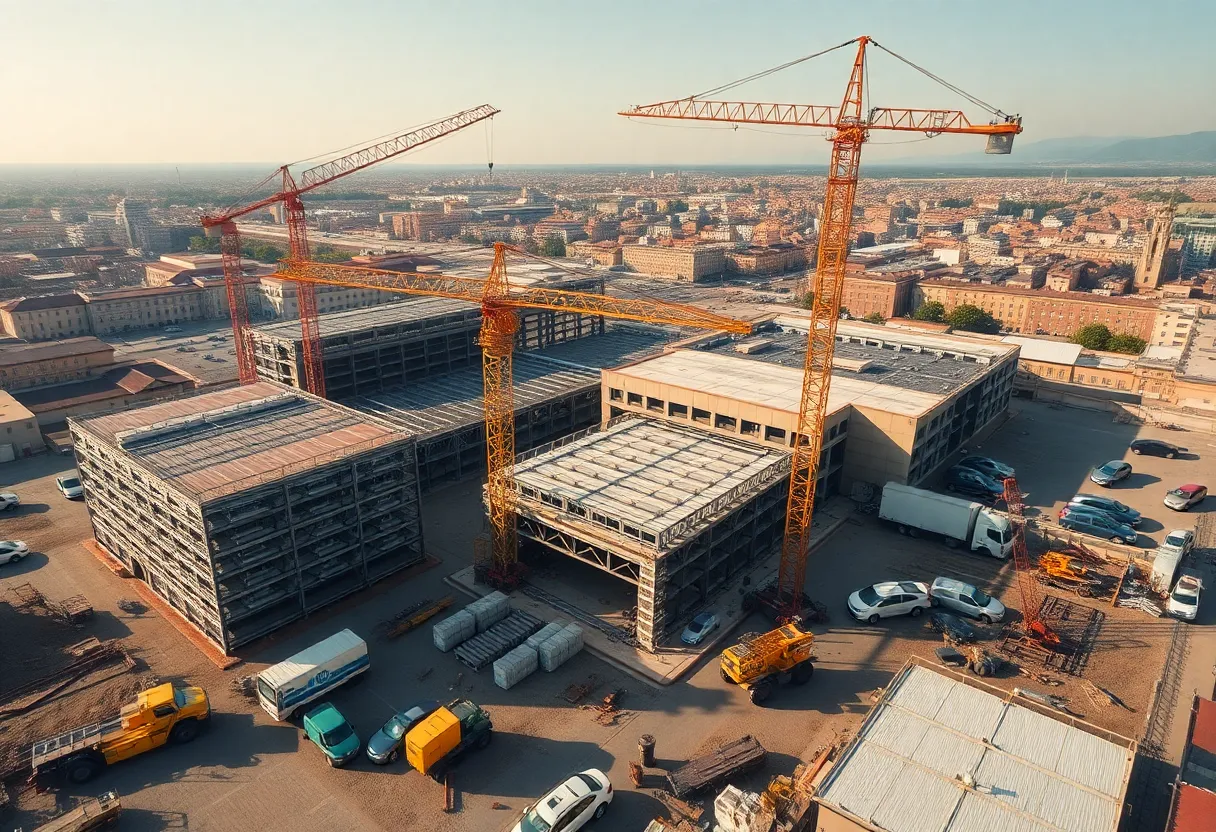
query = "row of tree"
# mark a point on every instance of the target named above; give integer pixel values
(267, 252)
(966, 317)
(1099, 337)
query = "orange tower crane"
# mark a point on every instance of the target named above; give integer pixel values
(499, 301)
(1033, 626)
(851, 125)
(290, 190)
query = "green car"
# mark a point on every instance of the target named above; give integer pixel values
(325, 726)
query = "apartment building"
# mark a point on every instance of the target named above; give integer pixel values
(46, 318)
(888, 295)
(606, 253)
(1044, 313)
(425, 226)
(32, 365)
(689, 264)
(1174, 324)
(566, 230)
(19, 434)
(774, 259)
(599, 229)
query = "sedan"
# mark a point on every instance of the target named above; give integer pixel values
(966, 599)
(9, 500)
(70, 487)
(571, 806)
(384, 746)
(1155, 447)
(973, 484)
(12, 551)
(699, 628)
(988, 467)
(1184, 598)
(1096, 523)
(1110, 473)
(888, 599)
(1179, 540)
(1106, 505)
(325, 726)
(1185, 496)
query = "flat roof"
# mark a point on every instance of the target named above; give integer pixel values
(405, 311)
(12, 410)
(11, 355)
(1199, 360)
(221, 442)
(1038, 349)
(663, 479)
(940, 754)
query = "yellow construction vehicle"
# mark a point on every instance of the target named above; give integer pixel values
(1067, 572)
(158, 715)
(767, 660)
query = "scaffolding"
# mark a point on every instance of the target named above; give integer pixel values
(251, 507)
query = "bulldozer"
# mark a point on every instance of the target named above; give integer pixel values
(1067, 572)
(759, 664)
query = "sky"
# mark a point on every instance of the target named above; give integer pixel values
(169, 81)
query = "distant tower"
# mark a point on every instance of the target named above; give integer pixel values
(1149, 270)
(1065, 176)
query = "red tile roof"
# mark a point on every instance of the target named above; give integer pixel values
(43, 302)
(1196, 810)
(1204, 735)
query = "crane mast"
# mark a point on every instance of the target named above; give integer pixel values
(851, 125)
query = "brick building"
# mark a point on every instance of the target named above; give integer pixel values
(606, 253)
(889, 295)
(425, 226)
(30, 365)
(774, 259)
(690, 263)
(602, 228)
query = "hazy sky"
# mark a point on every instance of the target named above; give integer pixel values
(272, 81)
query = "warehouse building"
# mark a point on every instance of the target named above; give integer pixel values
(372, 349)
(945, 752)
(557, 392)
(250, 507)
(900, 402)
(676, 512)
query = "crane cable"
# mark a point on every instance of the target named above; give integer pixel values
(979, 102)
(763, 73)
(489, 131)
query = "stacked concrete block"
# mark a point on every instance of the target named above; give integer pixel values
(545, 633)
(484, 648)
(489, 610)
(454, 630)
(560, 648)
(516, 666)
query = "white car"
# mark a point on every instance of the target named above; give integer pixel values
(966, 599)
(70, 487)
(699, 628)
(12, 551)
(9, 500)
(571, 806)
(1184, 599)
(888, 599)
(1179, 540)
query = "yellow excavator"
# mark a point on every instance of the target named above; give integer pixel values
(759, 664)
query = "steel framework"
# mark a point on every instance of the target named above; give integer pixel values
(851, 126)
(288, 195)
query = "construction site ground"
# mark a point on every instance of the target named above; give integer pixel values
(250, 772)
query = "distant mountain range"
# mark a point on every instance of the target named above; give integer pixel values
(1189, 148)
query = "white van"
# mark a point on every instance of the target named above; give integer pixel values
(285, 688)
(1165, 566)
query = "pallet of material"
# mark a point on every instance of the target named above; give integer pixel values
(482, 649)
(716, 767)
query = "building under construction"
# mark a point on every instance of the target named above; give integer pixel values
(557, 392)
(675, 511)
(250, 507)
(372, 349)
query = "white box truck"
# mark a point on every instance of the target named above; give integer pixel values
(959, 522)
(286, 688)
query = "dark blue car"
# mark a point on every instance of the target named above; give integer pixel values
(1114, 508)
(972, 483)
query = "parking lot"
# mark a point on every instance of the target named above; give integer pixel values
(250, 772)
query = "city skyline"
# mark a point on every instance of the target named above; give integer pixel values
(228, 95)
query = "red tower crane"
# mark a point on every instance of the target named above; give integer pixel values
(290, 190)
(851, 125)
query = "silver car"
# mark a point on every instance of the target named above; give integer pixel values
(966, 599)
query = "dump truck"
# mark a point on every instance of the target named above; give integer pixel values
(434, 744)
(957, 522)
(99, 812)
(716, 767)
(159, 715)
(759, 664)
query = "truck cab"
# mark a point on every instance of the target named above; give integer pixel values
(993, 534)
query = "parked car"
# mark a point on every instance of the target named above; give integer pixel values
(973, 484)
(1097, 523)
(571, 806)
(888, 599)
(384, 746)
(1179, 540)
(1110, 473)
(1114, 508)
(1185, 496)
(990, 468)
(172, 329)
(9, 500)
(1184, 598)
(12, 551)
(70, 487)
(699, 628)
(1155, 447)
(966, 599)
(325, 726)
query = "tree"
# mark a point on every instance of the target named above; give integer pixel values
(806, 300)
(329, 254)
(531, 246)
(874, 318)
(932, 311)
(206, 245)
(677, 206)
(1160, 195)
(1092, 336)
(1126, 343)
(957, 203)
(471, 239)
(553, 246)
(970, 318)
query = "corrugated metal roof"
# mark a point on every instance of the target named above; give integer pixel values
(940, 755)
